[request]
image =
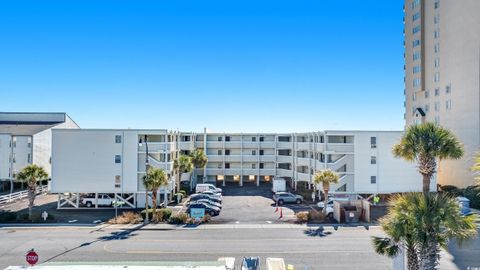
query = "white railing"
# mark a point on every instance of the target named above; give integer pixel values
(21, 194)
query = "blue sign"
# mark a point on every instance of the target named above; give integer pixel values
(197, 213)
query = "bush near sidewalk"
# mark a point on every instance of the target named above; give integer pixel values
(127, 218)
(180, 218)
(303, 217)
(162, 214)
(312, 215)
(471, 192)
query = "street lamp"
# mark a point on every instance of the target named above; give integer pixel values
(146, 170)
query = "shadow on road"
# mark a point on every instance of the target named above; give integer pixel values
(320, 232)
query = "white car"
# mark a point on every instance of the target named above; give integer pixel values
(213, 194)
(204, 187)
(330, 201)
(103, 200)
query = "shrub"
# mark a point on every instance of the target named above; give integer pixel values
(303, 216)
(7, 216)
(452, 190)
(473, 194)
(180, 218)
(317, 215)
(127, 218)
(162, 214)
(206, 219)
(184, 192)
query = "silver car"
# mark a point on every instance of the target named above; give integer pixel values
(286, 197)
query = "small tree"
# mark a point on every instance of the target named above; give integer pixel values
(425, 143)
(153, 180)
(325, 177)
(181, 165)
(476, 168)
(199, 159)
(31, 175)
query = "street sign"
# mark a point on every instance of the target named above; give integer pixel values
(31, 257)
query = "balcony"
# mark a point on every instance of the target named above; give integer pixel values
(303, 162)
(267, 145)
(233, 158)
(284, 159)
(186, 145)
(341, 147)
(302, 146)
(250, 158)
(215, 158)
(199, 144)
(284, 145)
(234, 171)
(284, 173)
(250, 144)
(320, 147)
(214, 171)
(305, 177)
(214, 144)
(267, 171)
(267, 158)
(156, 147)
(233, 144)
(250, 171)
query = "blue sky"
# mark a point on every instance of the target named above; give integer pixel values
(226, 65)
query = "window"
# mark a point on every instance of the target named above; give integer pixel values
(373, 179)
(416, 69)
(437, 91)
(437, 62)
(437, 106)
(373, 142)
(220, 139)
(262, 165)
(29, 158)
(118, 159)
(373, 160)
(254, 165)
(436, 5)
(416, 82)
(415, 3)
(414, 97)
(436, 34)
(261, 152)
(14, 142)
(254, 139)
(415, 16)
(415, 43)
(436, 19)
(416, 29)
(219, 152)
(220, 177)
(448, 89)
(427, 94)
(437, 76)
(117, 181)
(254, 152)
(29, 142)
(448, 104)
(227, 165)
(436, 48)
(227, 138)
(219, 166)
(416, 56)
(118, 139)
(227, 152)
(262, 138)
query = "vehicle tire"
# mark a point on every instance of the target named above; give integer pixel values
(280, 202)
(298, 201)
(212, 213)
(89, 204)
(330, 215)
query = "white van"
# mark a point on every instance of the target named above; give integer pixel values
(205, 187)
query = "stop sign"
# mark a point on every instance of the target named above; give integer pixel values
(31, 257)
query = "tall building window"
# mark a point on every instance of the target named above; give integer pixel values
(118, 159)
(436, 19)
(373, 179)
(415, 16)
(219, 152)
(436, 48)
(416, 29)
(227, 138)
(448, 104)
(373, 160)
(448, 89)
(427, 108)
(262, 138)
(118, 139)
(437, 62)
(254, 139)
(426, 93)
(373, 142)
(416, 82)
(437, 91)
(254, 166)
(415, 43)
(416, 56)
(261, 152)
(436, 33)
(254, 153)
(436, 5)
(227, 152)
(227, 165)
(437, 76)
(415, 3)
(437, 106)
(416, 69)
(262, 165)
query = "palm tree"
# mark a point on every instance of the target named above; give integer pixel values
(181, 165)
(398, 225)
(31, 174)
(153, 180)
(199, 159)
(476, 168)
(325, 177)
(425, 143)
(423, 225)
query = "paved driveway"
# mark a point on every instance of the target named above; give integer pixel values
(252, 204)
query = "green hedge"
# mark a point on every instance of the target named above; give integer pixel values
(7, 216)
(471, 192)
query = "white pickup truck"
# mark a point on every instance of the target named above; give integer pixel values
(103, 200)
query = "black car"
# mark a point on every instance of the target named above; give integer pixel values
(209, 209)
(207, 201)
(199, 196)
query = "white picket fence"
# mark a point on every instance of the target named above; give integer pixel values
(21, 194)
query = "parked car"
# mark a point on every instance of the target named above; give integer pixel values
(204, 187)
(275, 264)
(209, 209)
(251, 263)
(331, 200)
(195, 197)
(213, 194)
(214, 203)
(286, 197)
(103, 200)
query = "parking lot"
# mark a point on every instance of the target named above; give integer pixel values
(252, 204)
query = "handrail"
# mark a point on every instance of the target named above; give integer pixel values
(21, 194)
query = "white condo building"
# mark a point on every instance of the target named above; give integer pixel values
(26, 138)
(113, 161)
(442, 75)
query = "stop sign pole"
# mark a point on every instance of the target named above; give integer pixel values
(31, 257)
